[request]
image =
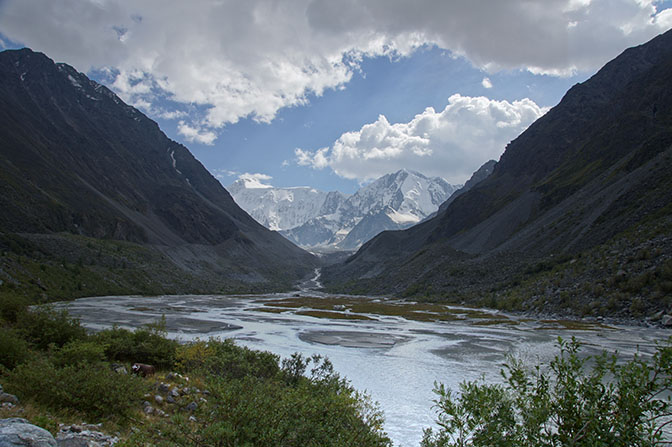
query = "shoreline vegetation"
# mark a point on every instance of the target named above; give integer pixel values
(213, 392)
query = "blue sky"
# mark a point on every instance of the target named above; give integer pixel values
(397, 89)
(335, 93)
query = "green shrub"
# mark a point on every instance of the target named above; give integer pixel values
(252, 410)
(11, 305)
(79, 352)
(227, 360)
(92, 390)
(44, 326)
(13, 349)
(147, 345)
(566, 404)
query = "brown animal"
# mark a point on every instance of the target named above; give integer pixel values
(143, 370)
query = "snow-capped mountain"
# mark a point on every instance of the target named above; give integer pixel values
(312, 218)
(282, 208)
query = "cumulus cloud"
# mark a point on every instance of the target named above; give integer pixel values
(196, 133)
(256, 180)
(486, 83)
(451, 143)
(251, 58)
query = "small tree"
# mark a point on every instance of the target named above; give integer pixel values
(575, 401)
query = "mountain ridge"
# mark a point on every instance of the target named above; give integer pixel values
(590, 169)
(76, 159)
(316, 219)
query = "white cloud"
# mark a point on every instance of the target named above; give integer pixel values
(196, 133)
(451, 143)
(486, 83)
(251, 58)
(171, 114)
(256, 180)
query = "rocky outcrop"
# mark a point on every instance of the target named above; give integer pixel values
(18, 432)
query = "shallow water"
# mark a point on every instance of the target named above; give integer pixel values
(395, 357)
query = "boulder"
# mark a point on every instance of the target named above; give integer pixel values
(18, 432)
(666, 320)
(9, 398)
(119, 368)
(192, 406)
(84, 436)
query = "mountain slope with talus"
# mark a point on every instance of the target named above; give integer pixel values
(592, 171)
(76, 160)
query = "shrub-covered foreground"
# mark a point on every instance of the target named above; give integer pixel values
(576, 401)
(253, 399)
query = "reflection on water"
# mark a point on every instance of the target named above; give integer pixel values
(392, 350)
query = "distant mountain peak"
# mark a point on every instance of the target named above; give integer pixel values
(312, 218)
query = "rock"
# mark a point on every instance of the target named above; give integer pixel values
(164, 387)
(185, 391)
(192, 418)
(170, 376)
(175, 392)
(6, 397)
(18, 432)
(192, 406)
(119, 368)
(73, 442)
(158, 399)
(666, 320)
(170, 399)
(146, 404)
(148, 410)
(84, 436)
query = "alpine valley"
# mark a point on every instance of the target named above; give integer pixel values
(569, 232)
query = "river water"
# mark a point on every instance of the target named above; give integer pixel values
(385, 347)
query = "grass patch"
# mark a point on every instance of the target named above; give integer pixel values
(333, 315)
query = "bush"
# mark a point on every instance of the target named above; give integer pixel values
(269, 411)
(608, 404)
(11, 306)
(92, 390)
(44, 326)
(147, 345)
(79, 353)
(13, 349)
(227, 360)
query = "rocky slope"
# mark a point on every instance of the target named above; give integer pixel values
(592, 169)
(315, 219)
(78, 161)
